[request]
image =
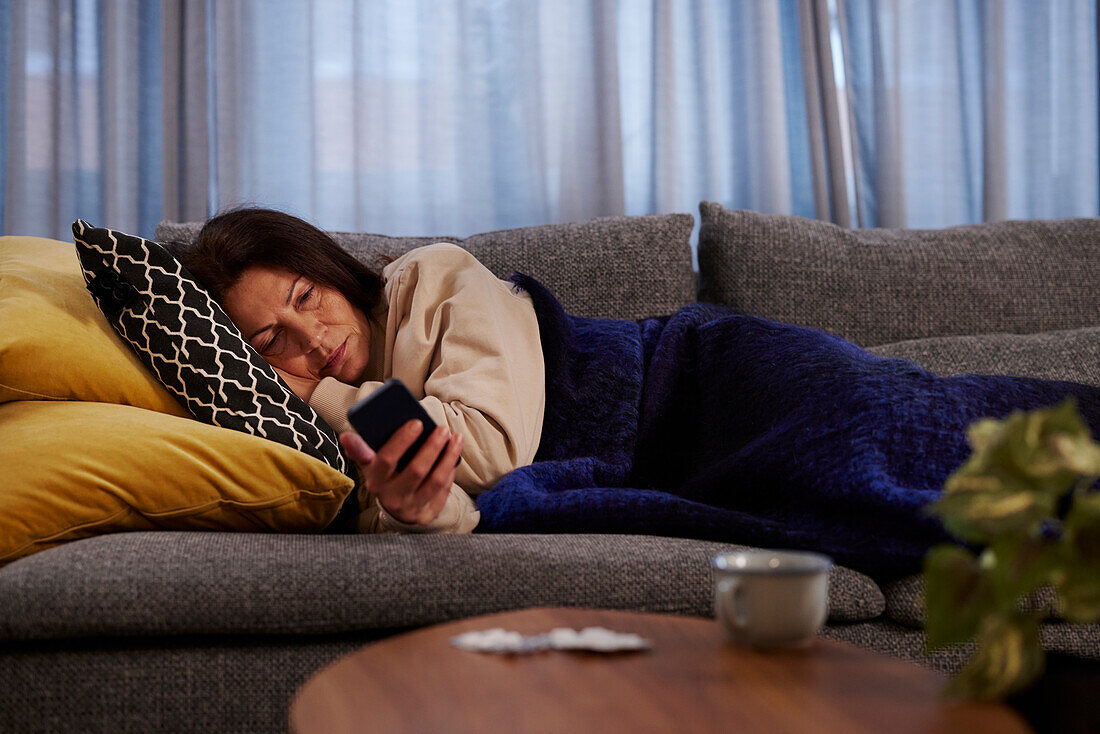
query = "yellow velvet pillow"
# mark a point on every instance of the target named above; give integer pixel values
(54, 341)
(76, 469)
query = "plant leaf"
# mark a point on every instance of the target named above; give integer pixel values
(1082, 527)
(1009, 496)
(1079, 454)
(1010, 656)
(1080, 595)
(1019, 469)
(984, 433)
(1080, 583)
(956, 595)
(982, 509)
(1020, 566)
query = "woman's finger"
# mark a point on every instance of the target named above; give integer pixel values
(356, 448)
(431, 495)
(439, 483)
(421, 464)
(442, 475)
(407, 496)
(394, 448)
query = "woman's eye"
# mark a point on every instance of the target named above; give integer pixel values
(305, 296)
(267, 347)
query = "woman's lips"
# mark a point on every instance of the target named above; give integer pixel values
(336, 357)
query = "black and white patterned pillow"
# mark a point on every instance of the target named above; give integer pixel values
(193, 347)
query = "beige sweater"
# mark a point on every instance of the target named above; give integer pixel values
(467, 345)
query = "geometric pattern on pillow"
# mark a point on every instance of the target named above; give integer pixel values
(193, 347)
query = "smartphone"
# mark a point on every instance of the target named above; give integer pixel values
(379, 415)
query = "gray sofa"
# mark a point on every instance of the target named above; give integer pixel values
(203, 632)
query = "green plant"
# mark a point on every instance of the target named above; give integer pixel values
(1026, 500)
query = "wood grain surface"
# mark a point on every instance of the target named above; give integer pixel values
(692, 680)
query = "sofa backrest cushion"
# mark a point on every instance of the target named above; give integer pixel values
(1072, 355)
(613, 267)
(878, 286)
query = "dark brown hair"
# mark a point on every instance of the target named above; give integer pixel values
(236, 239)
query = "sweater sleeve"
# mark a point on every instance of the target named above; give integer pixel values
(467, 344)
(332, 399)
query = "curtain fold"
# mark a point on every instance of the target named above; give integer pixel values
(447, 117)
(186, 152)
(81, 115)
(973, 110)
(417, 117)
(830, 158)
(714, 106)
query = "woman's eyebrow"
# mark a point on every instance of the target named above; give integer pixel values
(289, 293)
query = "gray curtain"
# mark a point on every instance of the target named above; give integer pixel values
(446, 117)
(187, 155)
(714, 106)
(80, 115)
(404, 118)
(434, 117)
(972, 110)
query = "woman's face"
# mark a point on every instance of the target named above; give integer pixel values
(301, 327)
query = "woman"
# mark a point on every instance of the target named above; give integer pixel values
(706, 423)
(464, 342)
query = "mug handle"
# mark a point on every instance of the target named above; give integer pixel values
(730, 607)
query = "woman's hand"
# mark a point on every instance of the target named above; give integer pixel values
(303, 387)
(418, 493)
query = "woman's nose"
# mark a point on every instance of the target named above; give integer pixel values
(311, 337)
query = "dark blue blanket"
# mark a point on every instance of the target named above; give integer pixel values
(717, 425)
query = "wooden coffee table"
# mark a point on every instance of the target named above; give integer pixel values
(691, 680)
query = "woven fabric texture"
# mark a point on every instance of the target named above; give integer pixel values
(1072, 355)
(185, 686)
(905, 602)
(898, 641)
(148, 583)
(878, 286)
(614, 267)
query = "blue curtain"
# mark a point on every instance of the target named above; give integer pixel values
(966, 111)
(80, 119)
(444, 117)
(713, 106)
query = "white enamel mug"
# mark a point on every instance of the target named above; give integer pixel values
(771, 598)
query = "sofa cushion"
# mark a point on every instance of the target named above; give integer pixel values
(1072, 355)
(192, 346)
(895, 640)
(905, 602)
(183, 583)
(54, 342)
(878, 286)
(614, 267)
(74, 469)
